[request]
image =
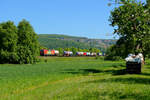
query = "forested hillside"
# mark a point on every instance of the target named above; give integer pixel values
(65, 41)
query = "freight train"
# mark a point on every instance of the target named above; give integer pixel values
(85, 54)
(45, 52)
(68, 53)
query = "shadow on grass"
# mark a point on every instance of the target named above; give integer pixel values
(146, 74)
(147, 63)
(87, 71)
(116, 72)
(90, 70)
(82, 71)
(130, 80)
(118, 66)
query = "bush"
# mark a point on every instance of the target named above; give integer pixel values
(8, 42)
(28, 46)
(113, 58)
(99, 57)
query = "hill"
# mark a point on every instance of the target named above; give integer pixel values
(65, 41)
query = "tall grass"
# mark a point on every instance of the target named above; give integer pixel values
(73, 78)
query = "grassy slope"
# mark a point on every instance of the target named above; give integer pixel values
(73, 79)
(61, 41)
(64, 41)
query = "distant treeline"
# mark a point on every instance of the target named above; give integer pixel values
(18, 44)
(65, 41)
(56, 43)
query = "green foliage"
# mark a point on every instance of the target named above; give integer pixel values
(148, 3)
(79, 49)
(113, 58)
(94, 50)
(28, 47)
(42, 47)
(122, 49)
(18, 45)
(131, 22)
(100, 58)
(74, 50)
(8, 42)
(25, 55)
(115, 53)
(60, 51)
(54, 41)
(67, 49)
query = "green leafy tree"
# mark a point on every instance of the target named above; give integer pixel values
(74, 50)
(80, 50)
(148, 2)
(28, 46)
(131, 22)
(8, 42)
(67, 49)
(97, 50)
(84, 50)
(92, 50)
(42, 47)
(60, 51)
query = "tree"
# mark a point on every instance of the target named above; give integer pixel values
(85, 50)
(28, 46)
(66, 49)
(79, 50)
(74, 50)
(148, 3)
(60, 51)
(94, 50)
(8, 42)
(131, 22)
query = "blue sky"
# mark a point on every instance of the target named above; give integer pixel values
(88, 18)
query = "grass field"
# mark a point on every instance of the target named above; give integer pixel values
(73, 78)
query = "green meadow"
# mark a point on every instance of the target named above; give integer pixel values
(73, 78)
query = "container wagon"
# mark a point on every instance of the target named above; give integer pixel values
(84, 53)
(88, 54)
(45, 52)
(93, 54)
(68, 53)
(79, 54)
(99, 54)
